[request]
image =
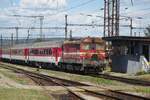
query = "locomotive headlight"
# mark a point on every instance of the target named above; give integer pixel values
(95, 60)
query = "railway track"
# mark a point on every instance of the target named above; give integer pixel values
(125, 80)
(121, 79)
(44, 80)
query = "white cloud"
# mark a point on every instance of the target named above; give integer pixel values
(55, 20)
(43, 3)
(58, 20)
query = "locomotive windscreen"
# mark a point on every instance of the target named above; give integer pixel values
(93, 46)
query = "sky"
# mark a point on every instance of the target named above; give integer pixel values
(77, 10)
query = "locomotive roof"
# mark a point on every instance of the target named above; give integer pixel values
(39, 45)
(72, 41)
(85, 40)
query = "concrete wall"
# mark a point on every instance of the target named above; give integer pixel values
(126, 64)
(130, 62)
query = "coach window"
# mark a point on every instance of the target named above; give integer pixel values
(77, 46)
(41, 52)
(14, 52)
(46, 51)
(49, 51)
(20, 52)
(34, 52)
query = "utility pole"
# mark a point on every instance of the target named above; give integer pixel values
(16, 34)
(41, 27)
(139, 34)
(108, 16)
(111, 17)
(134, 33)
(41, 21)
(117, 20)
(1, 47)
(70, 34)
(1, 41)
(28, 35)
(131, 27)
(66, 26)
(12, 40)
(105, 5)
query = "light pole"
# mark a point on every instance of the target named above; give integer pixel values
(140, 18)
(89, 15)
(131, 22)
(41, 26)
(66, 26)
(130, 25)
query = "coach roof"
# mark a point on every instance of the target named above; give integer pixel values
(39, 45)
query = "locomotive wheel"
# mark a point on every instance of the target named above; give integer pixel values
(70, 67)
(63, 67)
(77, 68)
(60, 66)
(85, 71)
(97, 70)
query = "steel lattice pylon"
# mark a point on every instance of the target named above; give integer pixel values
(111, 17)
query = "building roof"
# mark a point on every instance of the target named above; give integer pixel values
(127, 38)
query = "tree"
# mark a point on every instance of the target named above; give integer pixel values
(147, 31)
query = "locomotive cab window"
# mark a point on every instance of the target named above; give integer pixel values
(100, 46)
(86, 46)
(92, 46)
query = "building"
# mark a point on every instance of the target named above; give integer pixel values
(129, 54)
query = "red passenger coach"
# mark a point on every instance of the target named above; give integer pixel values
(45, 54)
(84, 55)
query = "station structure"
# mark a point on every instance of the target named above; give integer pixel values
(129, 54)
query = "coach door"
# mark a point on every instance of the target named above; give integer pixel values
(56, 55)
(26, 54)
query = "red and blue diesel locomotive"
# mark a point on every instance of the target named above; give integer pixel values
(82, 55)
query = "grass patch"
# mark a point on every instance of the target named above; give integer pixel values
(143, 90)
(74, 77)
(95, 80)
(142, 73)
(21, 94)
(81, 78)
(145, 77)
(19, 79)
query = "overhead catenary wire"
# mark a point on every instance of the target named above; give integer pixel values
(29, 30)
(3, 28)
(11, 2)
(60, 11)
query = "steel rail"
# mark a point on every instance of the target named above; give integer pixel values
(109, 93)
